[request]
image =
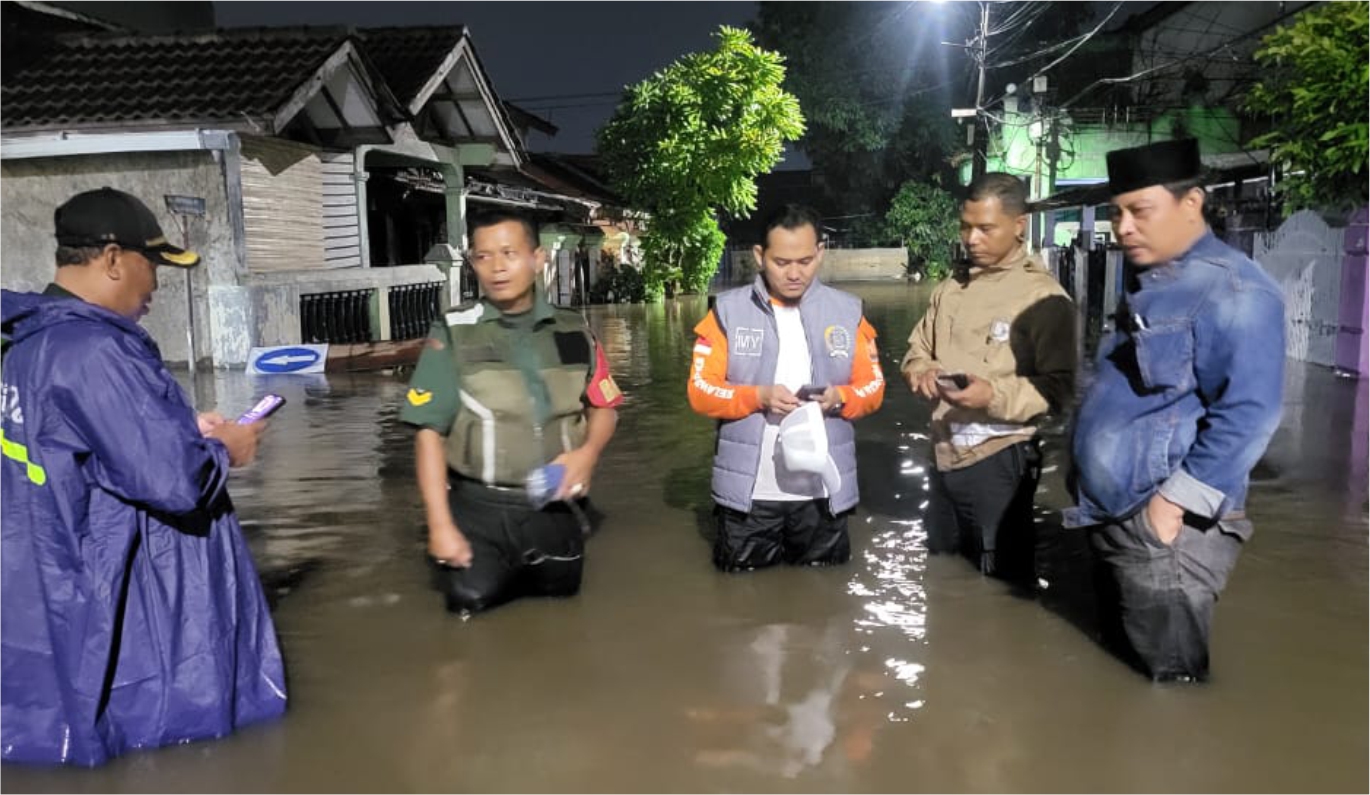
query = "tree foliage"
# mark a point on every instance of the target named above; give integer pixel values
(876, 108)
(689, 141)
(925, 218)
(877, 85)
(1315, 95)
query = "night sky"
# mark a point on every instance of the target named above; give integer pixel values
(537, 54)
(565, 61)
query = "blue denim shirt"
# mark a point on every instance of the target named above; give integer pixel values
(1187, 393)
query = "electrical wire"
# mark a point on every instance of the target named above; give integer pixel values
(1083, 39)
(1144, 72)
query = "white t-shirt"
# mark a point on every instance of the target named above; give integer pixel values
(794, 369)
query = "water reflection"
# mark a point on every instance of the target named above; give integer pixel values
(897, 672)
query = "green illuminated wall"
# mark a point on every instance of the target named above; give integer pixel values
(1084, 144)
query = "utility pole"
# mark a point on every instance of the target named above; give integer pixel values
(185, 208)
(980, 147)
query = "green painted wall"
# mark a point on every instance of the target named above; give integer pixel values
(1084, 145)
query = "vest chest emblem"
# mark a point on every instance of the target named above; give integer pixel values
(747, 341)
(838, 342)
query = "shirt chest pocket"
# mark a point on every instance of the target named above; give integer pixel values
(1165, 354)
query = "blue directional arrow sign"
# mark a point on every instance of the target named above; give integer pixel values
(281, 359)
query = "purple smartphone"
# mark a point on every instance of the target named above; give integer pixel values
(264, 408)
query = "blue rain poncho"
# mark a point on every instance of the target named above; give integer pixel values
(132, 615)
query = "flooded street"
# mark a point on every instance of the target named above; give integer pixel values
(896, 672)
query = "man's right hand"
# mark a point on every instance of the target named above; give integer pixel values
(241, 440)
(448, 546)
(925, 384)
(778, 399)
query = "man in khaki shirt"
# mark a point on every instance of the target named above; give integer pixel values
(996, 352)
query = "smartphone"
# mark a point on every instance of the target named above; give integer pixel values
(810, 392)
(265, 407)
(543, 484)
(953, 381)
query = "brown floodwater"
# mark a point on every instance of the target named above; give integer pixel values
(896, 672)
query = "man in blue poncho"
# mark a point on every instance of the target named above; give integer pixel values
(131, 615)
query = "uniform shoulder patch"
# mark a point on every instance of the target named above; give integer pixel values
(609, 390)
(419, 397)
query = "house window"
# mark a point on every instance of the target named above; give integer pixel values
(406, 214)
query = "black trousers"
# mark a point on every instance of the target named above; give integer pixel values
(1156, 601)
(985, 511)
(516, 551)
(797, 532)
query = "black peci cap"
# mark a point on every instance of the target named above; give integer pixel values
(1160, 163)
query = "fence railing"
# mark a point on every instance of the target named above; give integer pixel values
(413, 307)
(343, 316)
(1094, 280)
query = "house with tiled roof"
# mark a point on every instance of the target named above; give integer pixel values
(325, 174)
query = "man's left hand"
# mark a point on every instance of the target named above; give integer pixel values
(831, 400)
(580, 467)
(977, 394)
(1166, 518)
(208, 420)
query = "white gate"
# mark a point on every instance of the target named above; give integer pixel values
(1304, 256)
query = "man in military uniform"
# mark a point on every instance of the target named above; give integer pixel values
(506, 385)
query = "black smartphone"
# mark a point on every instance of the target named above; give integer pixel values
(810, 392)
(953, 381)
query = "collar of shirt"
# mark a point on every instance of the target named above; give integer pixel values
(540, 312)
(1207, 244)
(56, 290)
(1019, 260)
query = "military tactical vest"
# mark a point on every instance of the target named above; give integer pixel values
(521, 385)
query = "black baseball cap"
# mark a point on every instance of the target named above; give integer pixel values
(104, 216)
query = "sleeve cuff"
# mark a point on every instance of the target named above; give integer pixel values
(425, 423)
(848, 409)
(750, 398)
(913, 369)
(996, 400)
(1192, 494)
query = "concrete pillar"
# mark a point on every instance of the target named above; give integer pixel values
(554, 241)
(1354, 313)
(380, 313)
(455, 193)
(454, 180)
(360, 176)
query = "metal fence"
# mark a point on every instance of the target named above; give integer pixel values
(338, 317)
(1094, 279)
(413, 307)
(1305, 257)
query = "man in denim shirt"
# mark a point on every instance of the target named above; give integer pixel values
(1183, 400)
